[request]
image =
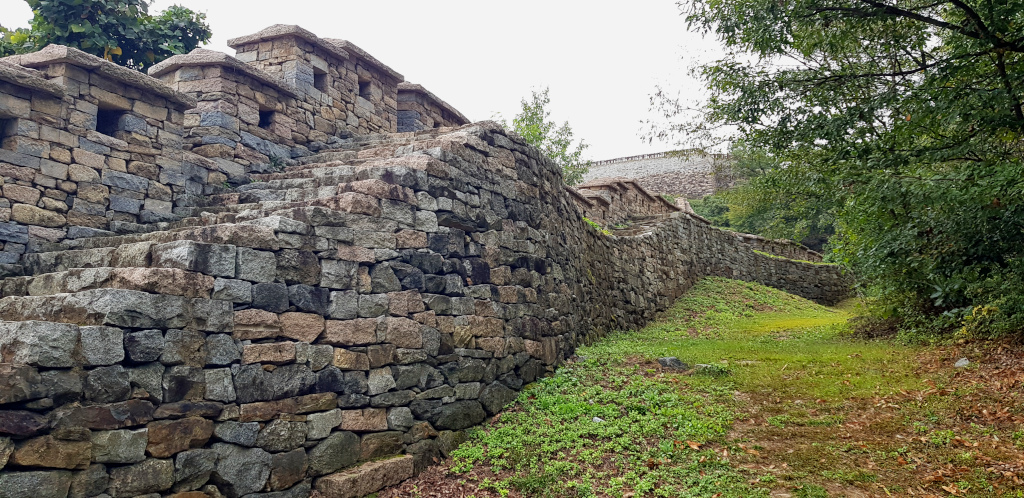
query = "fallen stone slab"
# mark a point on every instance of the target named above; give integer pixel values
(365, 479)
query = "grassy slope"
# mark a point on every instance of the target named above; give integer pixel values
(790, 406)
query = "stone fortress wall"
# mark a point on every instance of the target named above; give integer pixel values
(329, 328)
(610, 201)
(690, 176)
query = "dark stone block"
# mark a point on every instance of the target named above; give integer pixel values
(272, 297)
(21, 423)
(310, 299)
(409, 276)
(252, 384)
(460, 415)
(391, 399)
(291, 380)
(144, 346)
(107, 384)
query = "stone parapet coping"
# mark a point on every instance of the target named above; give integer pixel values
(28, 78)
(405, 86)
(340, 48)
(749, 236)
(56, 54)
(365, 56)
(204, 57)
(625, 184)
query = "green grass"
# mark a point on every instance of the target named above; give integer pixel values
(791, 401)
(601, 426)
(773, 342)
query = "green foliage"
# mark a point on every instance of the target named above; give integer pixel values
(593, 224)
(121, 31)
(13, 41)
(773, 199)
(554, 141)
(904, 117)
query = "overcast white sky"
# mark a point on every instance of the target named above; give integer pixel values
(601, 60)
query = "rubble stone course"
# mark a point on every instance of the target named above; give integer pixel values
(330, 328)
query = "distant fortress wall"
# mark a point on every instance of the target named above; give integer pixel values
(689, 175)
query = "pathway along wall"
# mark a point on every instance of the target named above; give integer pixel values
(284, 340)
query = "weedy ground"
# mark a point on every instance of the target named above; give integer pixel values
(787, 403)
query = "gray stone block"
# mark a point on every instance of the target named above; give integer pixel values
(102, 345)
(496, 396)
(123, 446)
(460, 415)
(212, 315)
(43, 344)
(383, 279)
(219, 385)
(373, 305)
(125, 181)
(252, 384)
(291, 380)
(150, 378)
(44, 484)
(10, 232)
(222, 350)
(400, 418)
(61, 385)
(192, 469)
(92, 481)
(319, 425)
(240, 471)
(148, 476)
(344, 305)
(379, 381)
(286, 470)
(212, 259)
(257, 266)
(242, 433)
(125, 204)
(184, 383)
(338, 451)
(337, 274)
(281, 435)
(235, 291)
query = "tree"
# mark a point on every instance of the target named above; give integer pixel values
(773, 199)
(121, 31)
(555, 141)
(911, 110)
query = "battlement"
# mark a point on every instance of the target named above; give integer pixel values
(88, 147)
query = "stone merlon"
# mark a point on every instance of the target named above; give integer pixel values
(59, 54)
(203, 57)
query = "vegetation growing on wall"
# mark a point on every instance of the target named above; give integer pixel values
(533, 124)
(904, 120)
(121, 31)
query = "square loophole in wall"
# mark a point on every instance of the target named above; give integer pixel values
(266, 119)
(364, 89)
(320, 80)
(7, 128)
(108, 121)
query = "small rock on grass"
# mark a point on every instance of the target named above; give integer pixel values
(962, 362)
(673, 363)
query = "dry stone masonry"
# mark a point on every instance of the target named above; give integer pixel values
(195, 304)
(687, 175)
